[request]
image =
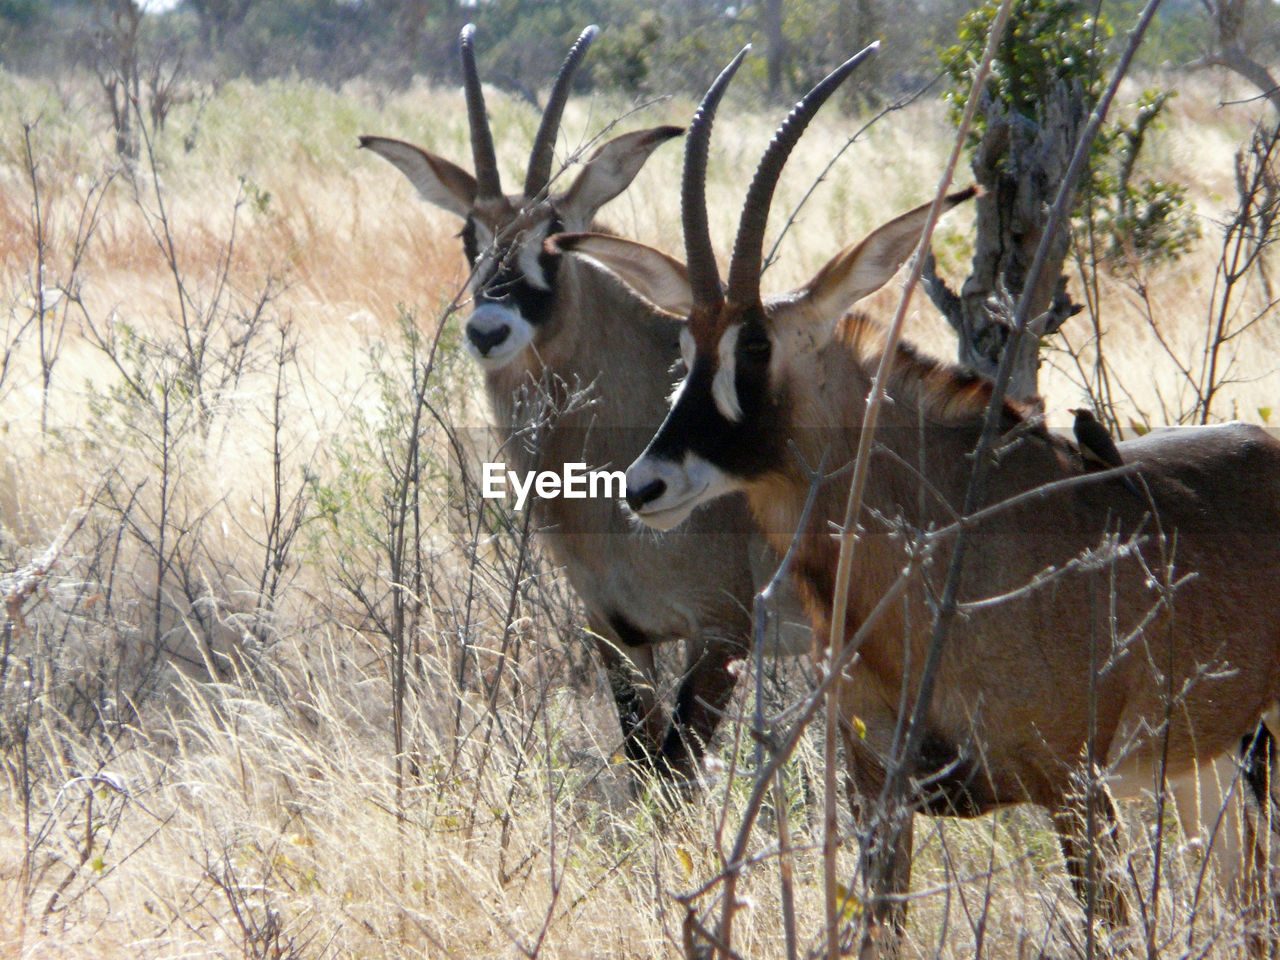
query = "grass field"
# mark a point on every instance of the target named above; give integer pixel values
(271, 687)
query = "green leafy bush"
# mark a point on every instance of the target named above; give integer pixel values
(1049, 43)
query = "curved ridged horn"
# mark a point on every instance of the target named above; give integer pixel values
(748, 248)
(488, 186)
(701, 259)
(544, 143)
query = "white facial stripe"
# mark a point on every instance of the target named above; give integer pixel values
(675, 394)
(530, 251)
(481, 273)
(724, 388)
(687, 347)
(686, 358)
(485, 264)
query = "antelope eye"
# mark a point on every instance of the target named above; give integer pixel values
(757, 348)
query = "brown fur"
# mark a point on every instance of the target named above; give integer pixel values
(1092, 622)
(1009, 720)
(1162, 609)
(594, 381)
(1210, 488)
(604, 356)
(944, 392)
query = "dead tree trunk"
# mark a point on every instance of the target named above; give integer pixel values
(1019, 164)
(1230, 47)
(858, 23)
(118, 71)
(411, 17)
(777, 51)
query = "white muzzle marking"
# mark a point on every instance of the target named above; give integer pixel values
(496, 335)
(685, 485)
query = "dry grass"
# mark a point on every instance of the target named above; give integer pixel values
(246, 801)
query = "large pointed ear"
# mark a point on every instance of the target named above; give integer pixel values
(650, 274)
(864, 268)
(610, 171)
(438, 181)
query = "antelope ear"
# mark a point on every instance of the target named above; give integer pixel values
(864, 268)
(610, 171)
(438, 181)
(650, 274)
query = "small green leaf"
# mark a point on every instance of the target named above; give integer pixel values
(850, 905)
(686, 860)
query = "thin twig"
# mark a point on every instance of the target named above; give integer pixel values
(862, 461)
(895, 784)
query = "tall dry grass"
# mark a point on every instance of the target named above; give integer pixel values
(200, 719)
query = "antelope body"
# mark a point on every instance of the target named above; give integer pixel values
(1159, 660)
(578, 370)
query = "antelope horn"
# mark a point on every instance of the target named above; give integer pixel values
(748, 248)
(544, 143)
(488, 186)
(704, 278)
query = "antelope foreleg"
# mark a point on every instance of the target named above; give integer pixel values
(704, 694)
(1261, 841)
(887, 863)
(888, 839)
(1088, 852)
(639, 714)
(1229, 806)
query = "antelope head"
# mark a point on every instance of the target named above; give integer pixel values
(513, 278)
(731, 417)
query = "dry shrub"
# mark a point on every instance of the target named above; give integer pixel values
(264, 702)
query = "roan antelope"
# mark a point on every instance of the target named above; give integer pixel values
(570, 355)
(777, 385)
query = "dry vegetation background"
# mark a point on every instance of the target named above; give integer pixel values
(273, 687)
